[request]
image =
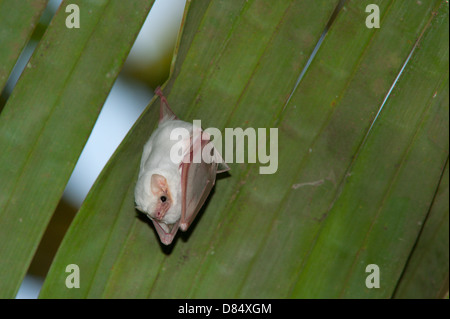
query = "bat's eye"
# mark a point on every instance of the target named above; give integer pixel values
(163, 198)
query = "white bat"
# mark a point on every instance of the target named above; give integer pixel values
(171, 192)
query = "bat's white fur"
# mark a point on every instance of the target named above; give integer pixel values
(156, 160)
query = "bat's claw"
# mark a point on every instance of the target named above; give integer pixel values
(159, 92)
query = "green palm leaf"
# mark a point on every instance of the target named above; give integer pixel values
(17, 22)
(362, 157)
(343, 196)
(49, 116)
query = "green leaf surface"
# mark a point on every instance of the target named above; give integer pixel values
(426, 274)
(49, 117)
(391, 183)
(343, 196)
(17, 22)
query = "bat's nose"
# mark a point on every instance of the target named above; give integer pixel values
(158, 215)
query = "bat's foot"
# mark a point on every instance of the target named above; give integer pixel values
(159, 92)
(165, 111)
(162, 97)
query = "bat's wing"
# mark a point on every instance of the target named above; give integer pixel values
(197, 181)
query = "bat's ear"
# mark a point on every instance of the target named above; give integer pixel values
(158, 184)
(165, 113)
